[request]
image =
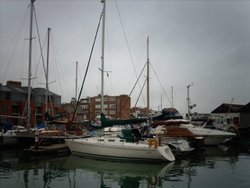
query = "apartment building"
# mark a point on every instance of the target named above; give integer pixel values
(117, 107)
(13, 100)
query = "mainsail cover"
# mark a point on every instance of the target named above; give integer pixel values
(109, 123)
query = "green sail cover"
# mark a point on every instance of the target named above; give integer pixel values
(109, 123)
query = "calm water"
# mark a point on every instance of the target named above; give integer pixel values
(213, 167)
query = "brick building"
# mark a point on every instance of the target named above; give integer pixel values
(117, 107)
(13, 99)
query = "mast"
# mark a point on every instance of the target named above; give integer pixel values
(148, 77)
(172, 96)
(47, 71)
(188, 100)
(76, 80)
(102, 57)
(161, 102)
(30, 61)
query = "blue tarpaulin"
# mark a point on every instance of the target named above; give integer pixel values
(41, 126)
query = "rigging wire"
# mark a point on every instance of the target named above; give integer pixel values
(133, 88)
(39, 40)
(126, 40)
(85, 75)
(160, 83)
(41, 51)
(36, 70)
(18, 34)
(140, 92)
(58, 67)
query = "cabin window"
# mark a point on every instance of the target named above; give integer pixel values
(111, 140)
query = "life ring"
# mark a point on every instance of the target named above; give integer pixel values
(153, 143)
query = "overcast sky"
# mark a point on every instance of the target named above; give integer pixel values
(204, 42)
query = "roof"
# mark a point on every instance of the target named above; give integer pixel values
(5, 89)
(24, 90)
(226, 108)
(245, 108)
(42, 91)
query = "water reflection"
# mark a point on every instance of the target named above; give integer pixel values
(73, 171)
(122, 174)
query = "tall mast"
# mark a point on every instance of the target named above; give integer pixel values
(30, 60)
(148, 77)
(76, 80)
(47, 72)
(172, 96)
(102, 57)
(188, 101)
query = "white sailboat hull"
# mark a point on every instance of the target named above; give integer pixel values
(118, 149)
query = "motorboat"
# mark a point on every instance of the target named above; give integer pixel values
(116, 148)
(211, 136)
(183, 128)
(220, 123)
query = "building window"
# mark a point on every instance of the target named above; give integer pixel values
(15, 110)
(85, 106)
(4, 109)
(97, 112)
(112, 112)
(112, 99)
(112, 105)
(39, 110)
(97, 99)
(97, 106)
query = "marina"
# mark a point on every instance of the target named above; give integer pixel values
(107, 140)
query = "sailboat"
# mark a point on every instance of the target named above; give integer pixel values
(14, 134)
(55, 131)
(116, 148)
